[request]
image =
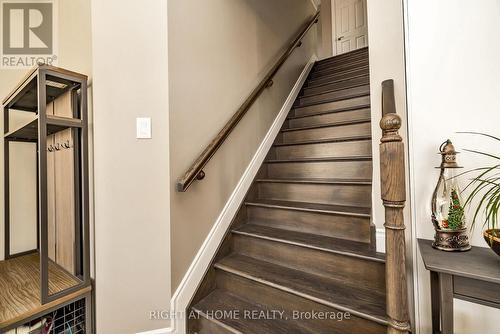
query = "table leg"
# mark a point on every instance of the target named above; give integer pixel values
(446, 302)
(435, 307)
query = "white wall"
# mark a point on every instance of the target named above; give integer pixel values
(325, 48)
(131, 175)
(386, 51)
(387, 61)
(453, 85)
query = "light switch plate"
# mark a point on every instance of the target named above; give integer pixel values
(143, 127)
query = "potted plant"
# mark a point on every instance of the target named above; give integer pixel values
(485, 189)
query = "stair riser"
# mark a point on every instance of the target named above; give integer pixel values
(327, 169)
(323, 150)
(344, 75)
(340, 194)
(343, 116)
(353, 59)
(317, 73)
(331, 106)
(332, 132)
(369, 274)
(343, 57)
(276, 299)
(362, 80)
(332, 225)
(339, 94)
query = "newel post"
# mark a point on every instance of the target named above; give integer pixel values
(392, 174)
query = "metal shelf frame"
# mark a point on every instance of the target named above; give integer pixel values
(39, 87)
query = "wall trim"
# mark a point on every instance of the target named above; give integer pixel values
(159, 331)
(194, 275)
(333, 13)
(315, 5)
(380, 239)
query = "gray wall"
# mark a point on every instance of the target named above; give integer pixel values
(218, 52)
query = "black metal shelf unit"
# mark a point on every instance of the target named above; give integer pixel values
(43, 85)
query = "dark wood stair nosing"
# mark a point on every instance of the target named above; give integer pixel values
(344, 55)
(328, 159)
(330, 101)
(326, 141)
(303, 209)
(215, 320)
(342, 72)
(353, 60)
(337, 81)
(300, 294)
(356, 85)
(321, 113)
(335, 78)
(339, 67)
(315, 181)
(325, 101)
(305, 245)
(328, 125)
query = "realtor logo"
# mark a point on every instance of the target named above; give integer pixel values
(27, 33)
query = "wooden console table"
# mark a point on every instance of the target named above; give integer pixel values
(473, 276)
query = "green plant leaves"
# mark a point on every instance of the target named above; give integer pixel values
(486, 187)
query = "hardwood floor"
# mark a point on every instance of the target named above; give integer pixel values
(303, 241)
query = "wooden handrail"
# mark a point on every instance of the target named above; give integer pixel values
(392, 175)
(195, 172)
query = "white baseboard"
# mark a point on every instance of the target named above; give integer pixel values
(167, 330)
(380, 239)
(182, 296)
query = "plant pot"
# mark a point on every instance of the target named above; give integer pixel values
(492, 237)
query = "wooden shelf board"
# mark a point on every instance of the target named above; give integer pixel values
(20, 288)
(55, 124)
(24, 96)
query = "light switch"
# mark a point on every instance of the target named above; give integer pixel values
(143, 127)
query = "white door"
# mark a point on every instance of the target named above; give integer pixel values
(351, 28)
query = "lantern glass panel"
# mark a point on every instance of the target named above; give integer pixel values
(448, 210)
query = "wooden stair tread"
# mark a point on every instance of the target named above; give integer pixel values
(314, 241)
(220, 300)
(347, 109)
(340, 63)
(316, 181)
(345, 55)
(312, 207)
(327, 125)
(347, 158)
(359, 59)
(331, 102)
(329, 78)
(357, 300)
(328, 100)
(337, 81)
(322, 141)
(333, 89)
(352, 60)
(333, 68)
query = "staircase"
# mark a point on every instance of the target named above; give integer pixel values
(300, 255)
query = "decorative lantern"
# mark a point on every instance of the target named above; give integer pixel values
(448, 214)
